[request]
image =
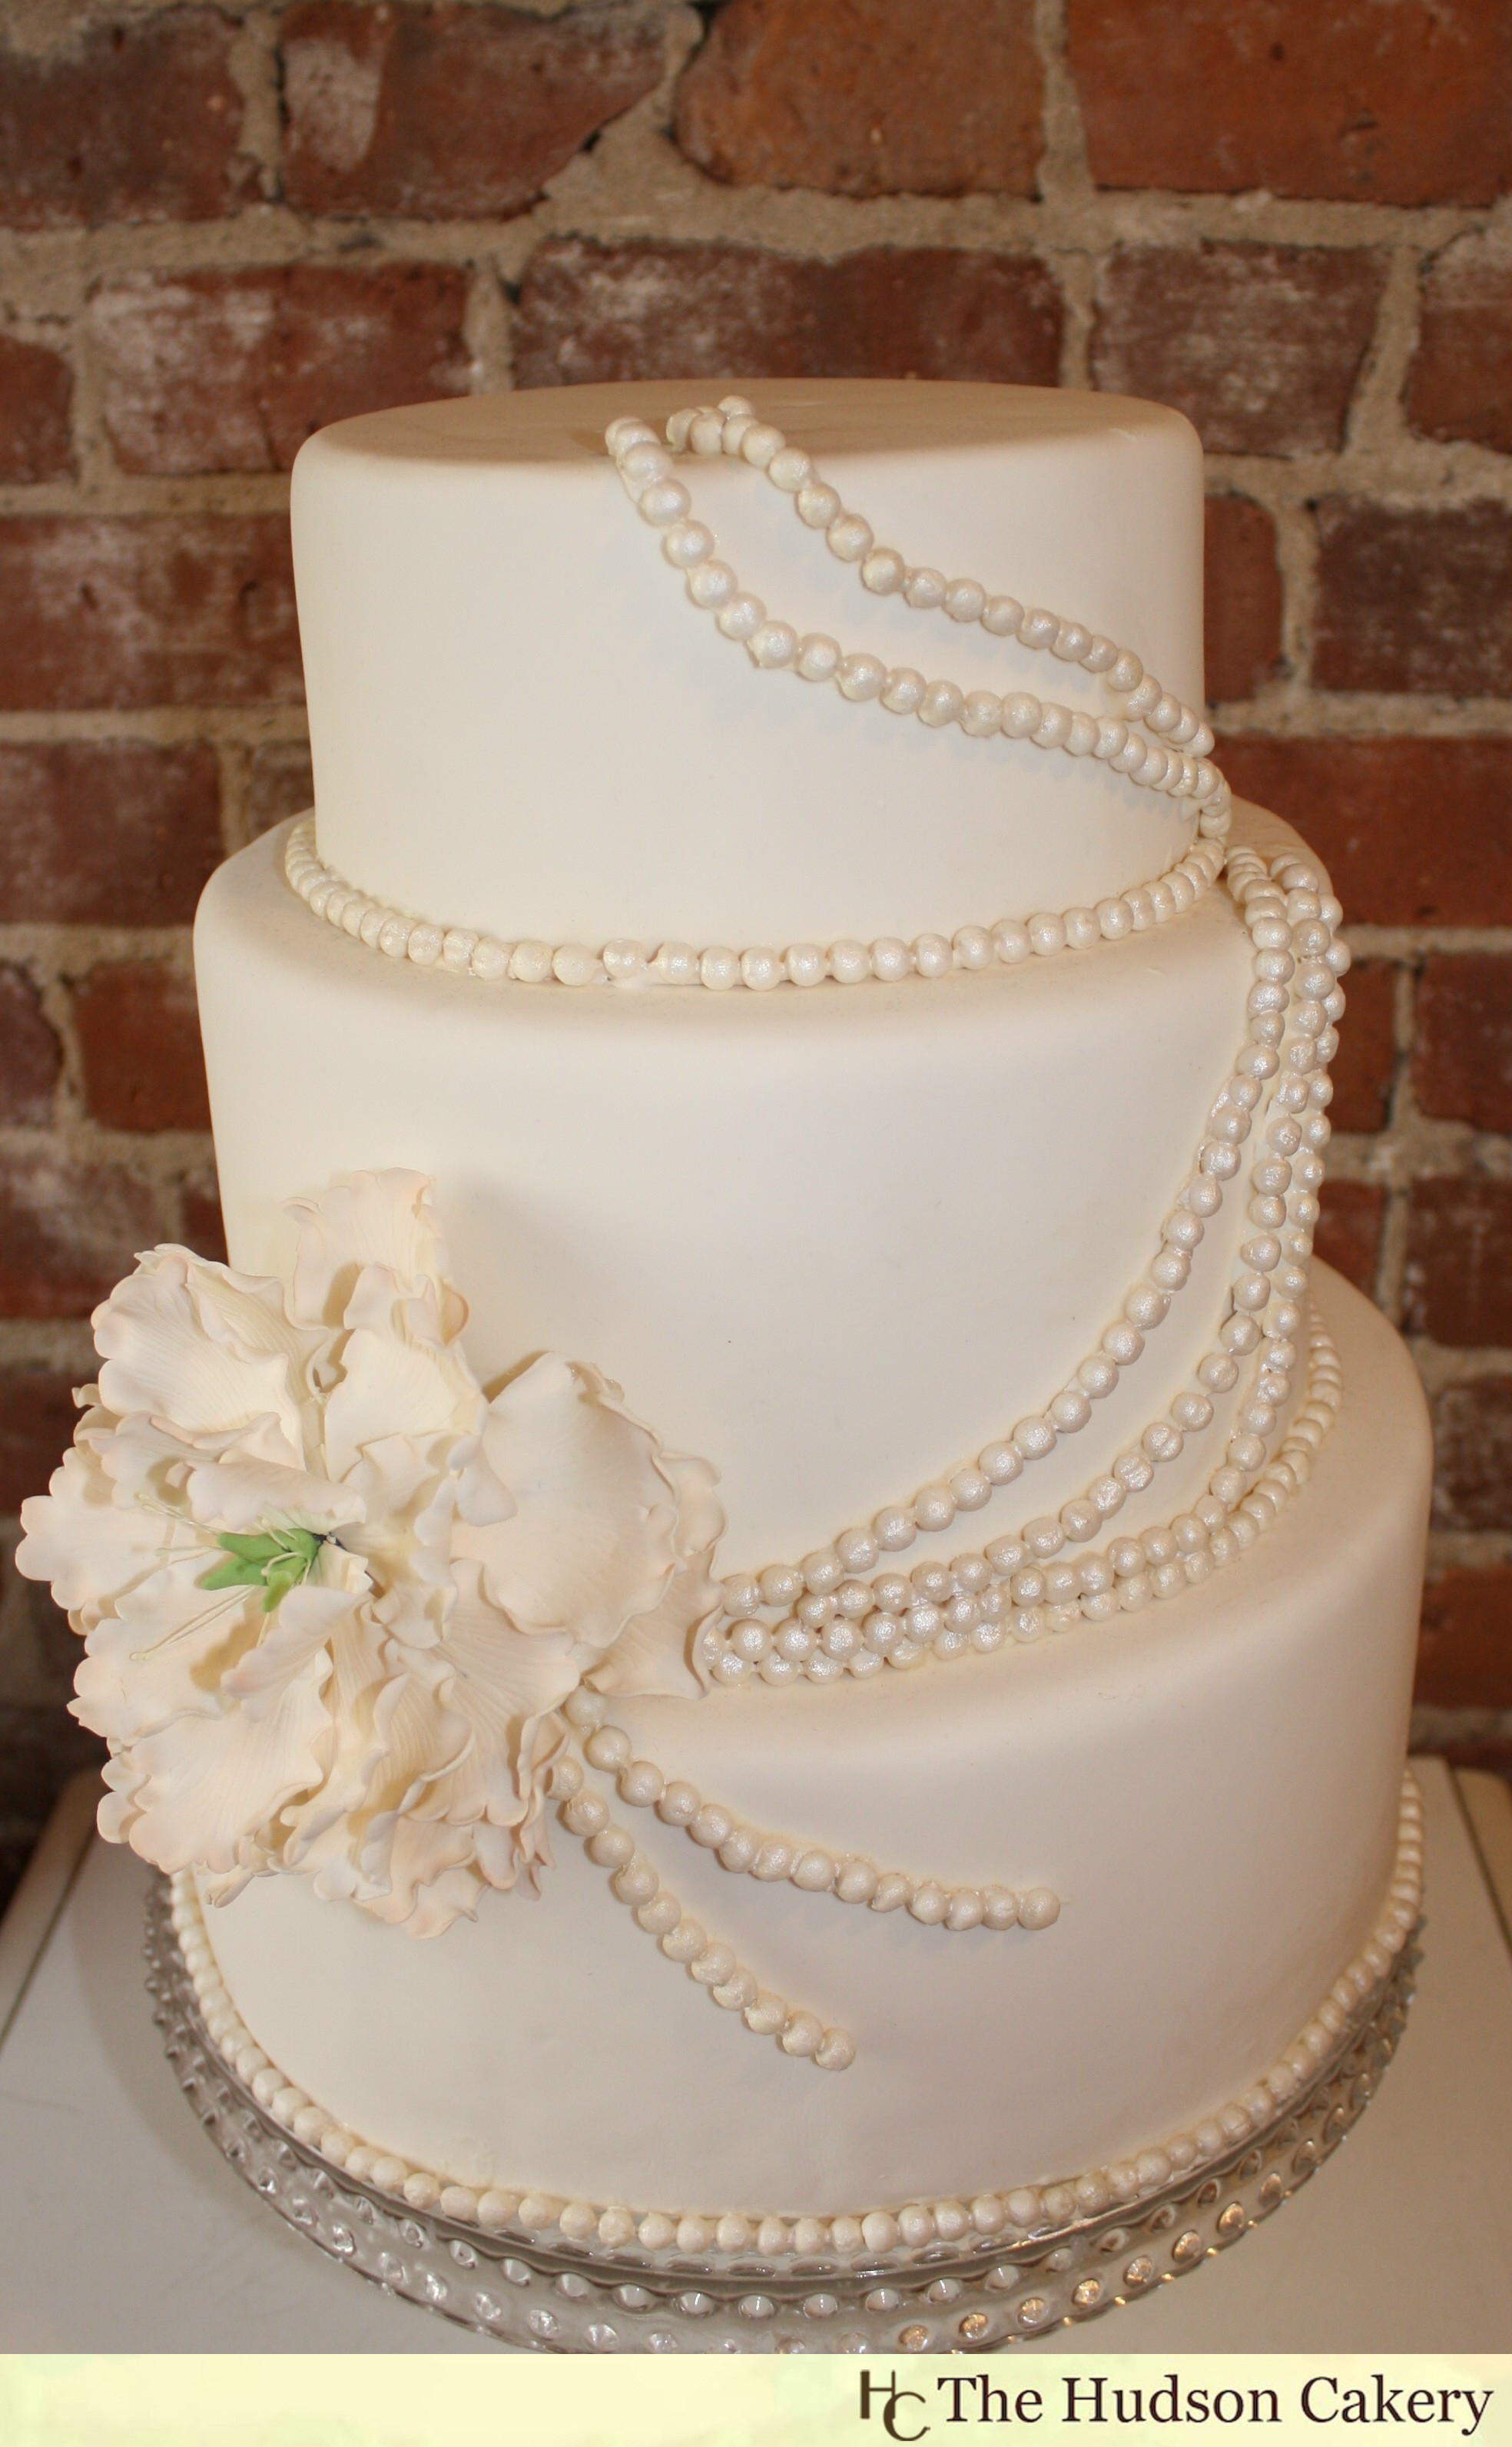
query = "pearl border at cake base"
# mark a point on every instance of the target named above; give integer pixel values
(554, 2298)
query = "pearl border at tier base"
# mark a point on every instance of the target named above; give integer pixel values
(760, 967)
(555, 2299)
(982, 2276)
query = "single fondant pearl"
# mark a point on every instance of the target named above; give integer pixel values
(849, 537)
(933, 955)
(1039, 1909)
(924, 590)
(902, 690)
(687, 544)
(860, 678)
(965, 600)
(943, 703)
(884, 571)
(774, 646)
(741, 617)
(817, 503)
(818, 657)
(712, 584)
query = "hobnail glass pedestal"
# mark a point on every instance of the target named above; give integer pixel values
(945, 2299)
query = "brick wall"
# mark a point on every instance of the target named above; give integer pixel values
(223, 226)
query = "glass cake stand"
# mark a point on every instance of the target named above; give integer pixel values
(945, 2299)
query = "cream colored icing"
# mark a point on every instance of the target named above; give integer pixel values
(1212, 1788)
(827, 1240)
(515, 717)
(1031, 2207)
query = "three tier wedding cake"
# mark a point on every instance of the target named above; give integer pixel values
(766, 1625)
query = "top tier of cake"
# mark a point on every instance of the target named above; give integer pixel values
(520, 724)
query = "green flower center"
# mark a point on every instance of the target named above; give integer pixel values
(276, 1561)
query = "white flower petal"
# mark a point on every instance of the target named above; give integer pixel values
(432, 1881)
(87, 1546)
(591, 1544)
(502, 1684)
(387, 1727)
(204, 1796)
(164, 1654)
(653, 1657)
(318, 1838)
(210, 1351)
(393, 1388)
(238, 1495)
(302, 1622)
(376, 1218)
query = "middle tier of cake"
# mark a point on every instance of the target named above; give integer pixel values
(834, 1242)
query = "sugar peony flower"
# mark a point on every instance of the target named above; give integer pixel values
(333, 1597)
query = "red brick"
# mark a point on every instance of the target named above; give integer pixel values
(600, 313)
(1459, 382)
(213, 370)
(1472, 1443)
(1364, 1068)
(135, 121)
(40, 1748)
(453, 110)
(1261, 346)
(867, 97)
(139, 1036)
(106, 832)
(1462, 1058)
(1349, 1229)
(1415, 599)
(203, 1229)
(1241, 586)
(36, 391)
(279, 784)
(70, 1229)
(1464, 1651)
(29, 1055)
(1402, 105)
(1413, 832)
(37, 1416)
(149, 610)
(1458, 1281)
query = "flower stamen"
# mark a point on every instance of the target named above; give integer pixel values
(276, 1560)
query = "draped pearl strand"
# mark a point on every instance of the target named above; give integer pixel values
(747, 1852)
(682, 1939)
(1133, 744)
(831, 1620)
(1011, 2210)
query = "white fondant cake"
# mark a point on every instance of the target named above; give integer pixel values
(906, 1090)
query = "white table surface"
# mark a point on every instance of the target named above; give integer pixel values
(126, 2230)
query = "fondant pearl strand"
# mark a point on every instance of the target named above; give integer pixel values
(1010, 2211)
(733, 430)
(776, 1859)
(758, 967)
(1283, 1202)
(980, 1603)
(658, 1911)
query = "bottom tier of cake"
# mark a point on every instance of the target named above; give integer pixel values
(1210, 1788)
